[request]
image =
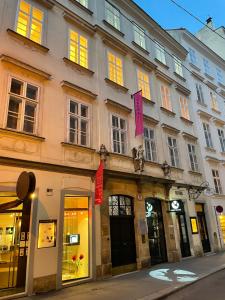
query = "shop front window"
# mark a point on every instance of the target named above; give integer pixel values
(75, 238)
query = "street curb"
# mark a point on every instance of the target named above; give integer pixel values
(173, 290)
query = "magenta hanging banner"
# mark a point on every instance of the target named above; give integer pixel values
(138, 107)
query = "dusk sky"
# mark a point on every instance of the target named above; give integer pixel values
(168, 15)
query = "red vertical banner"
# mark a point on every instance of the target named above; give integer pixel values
(138, 107)
(99, 185)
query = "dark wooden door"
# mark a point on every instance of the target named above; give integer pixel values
(123, 249)
(156, 235)
(184, 240)
(203, 231)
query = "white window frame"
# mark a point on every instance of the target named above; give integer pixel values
(178, 66)
(144, 85)
(160, 53)
(79, 46)
(173, 152)
(120, 131)
(184, 108)
(219, 75)
(193, 157)
(208, 136)
(116, 67)
(83, 2)
(217, 182)
(192, 56)
(150, 142)
(116, 20)
(139, 36)
(23, 99)
(214, 102)
(199, 91)
(207, 68)
(221, 138)
(80, 118)
(30, 17)
(165, 97)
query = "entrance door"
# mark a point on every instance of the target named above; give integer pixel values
(10, 224)
(123, 249)
(156, 235)
(202, 227)
(184, 241)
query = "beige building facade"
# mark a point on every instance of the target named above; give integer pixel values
(68, 71)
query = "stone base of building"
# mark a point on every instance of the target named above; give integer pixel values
(44, 284)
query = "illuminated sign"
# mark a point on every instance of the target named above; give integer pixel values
(149, 209)
(173, 275)
(194, 225)
(175, 206)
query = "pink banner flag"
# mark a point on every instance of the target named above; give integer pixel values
(138, 107)
(99, 185)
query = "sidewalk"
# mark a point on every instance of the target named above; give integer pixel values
(140, 285)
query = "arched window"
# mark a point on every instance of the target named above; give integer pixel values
(120, 205)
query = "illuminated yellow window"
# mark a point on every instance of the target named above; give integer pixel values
(184, 108)
(78, 49)
(115, 68)
(30, 22)
(143, 84)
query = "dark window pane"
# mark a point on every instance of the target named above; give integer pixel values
(73, 107)
(84, 111)
(16, 87)
(13, 113)
(32, 92)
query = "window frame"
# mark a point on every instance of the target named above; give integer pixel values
(219, 76)
(153, 152)
(168, 101)
(222, 139)
(160, 50)
(140, 36)
(217, 182)
(144, 83)
(88, 119)
(86, 1)
(115, 9)
(207, 134)
(192, 56)
(23, 100)
(213, 101)
(175, 152)
(207, 68)
(43, 22)
(126, 133)
(116, 56)
(184, 107)
(193, 157)
(200, 94)
(178, 69)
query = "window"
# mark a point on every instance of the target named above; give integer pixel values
(120, 205)
(173, 151)
(219, 75)
(217, 183)
(115, 68)
(78, 49)
(22, 110)
(206, 66)
(184, 108)
(139, 36)
(192, 56)
(193, 157)
(143, 84)
(78, 123)
(160, 53)
(112, 15)
(200, 93)
(208, 137)
(214, 104)
(119, 135)
(83, 2)
(222, 139)
(150, 145)
(178, 66)
(165, 96)
(30, 21)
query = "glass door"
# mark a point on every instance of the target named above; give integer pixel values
(202, 227)
(184, 240)
(10, 224)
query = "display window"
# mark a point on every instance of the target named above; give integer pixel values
(222, 226)
(75, 263)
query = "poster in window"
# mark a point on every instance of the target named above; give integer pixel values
(47, 234)
(194, 225)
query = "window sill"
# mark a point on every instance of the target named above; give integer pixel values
(87, 10)
(216, 111)
(167, 111)
(209, 76)
(161, 63)
(78, 67)
(177, 169)
(113, 28)
(116, 85)
(202, 104)
(194, 67)
(149, 101)
(195, 172)
(179, 76)
(221, 85)
(189, 122)
(154, 163)
(140, 48)
(210, 149)
(75, 146)
(27, 41)
(22, 134)
(120, 155)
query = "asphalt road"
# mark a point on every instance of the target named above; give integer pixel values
(210, 288)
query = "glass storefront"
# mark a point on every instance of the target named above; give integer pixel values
(75, 263)
(222, 226)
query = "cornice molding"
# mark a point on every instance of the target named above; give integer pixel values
(71, 17)
(78, 67)
(22, 134)
(47, 3)
(74, 87)
(182, 89)
(116, 85)
(87, 10)
(8, 59)
(150, 120)
(118, 105)
(218, 122)
(78, 147)
(159, 74)
(144, 63)
(170, 128)
(212, 159)
(198, 76)
(204, 114)
(211, 85)
(189, 136)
